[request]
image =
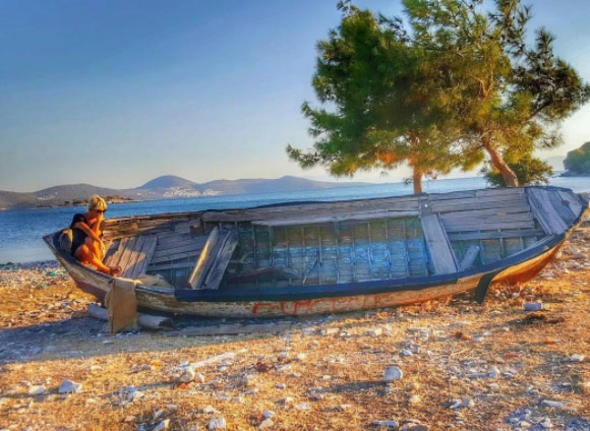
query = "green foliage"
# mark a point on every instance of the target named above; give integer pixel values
(451, 83)
(578, 160)
(529, 171)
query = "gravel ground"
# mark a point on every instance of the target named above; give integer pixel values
(436, 366)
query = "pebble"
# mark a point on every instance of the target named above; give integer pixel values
(375, 332)
(577, 358)
(386, 424)
(532, 306)
(392, 373)
(281, 386)
(129, 393)
(268, 414)
(186, 376)
(303, 406)
(37, 390)
(217, 424)
(552, 404)
(69, 387)
(162, 426)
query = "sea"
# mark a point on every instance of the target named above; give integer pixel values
(21, 230)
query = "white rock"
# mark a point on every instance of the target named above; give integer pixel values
(552, 404)
(577, 358)
(268, 414)
(300, 356)
(375, 332)
(69, 387)
(37, 390)
(217, 424)
(392, 373)
(162, 426)
(303, 406)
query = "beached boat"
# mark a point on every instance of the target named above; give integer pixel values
(325, 257)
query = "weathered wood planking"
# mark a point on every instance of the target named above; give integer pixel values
(228, 242)
(573, 202)
(204, 262)
(336, 218)
(548, 217)
(477, 235)
(511, 221)
(469, 257)
(133, 255)
(443, 258)
(324, 209)
(516, 203)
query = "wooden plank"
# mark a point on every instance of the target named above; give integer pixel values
(336, 218)
(543, 210)
(194, 245)
(474, 204)
(128, 252)
(515, 221)
(441, 253)
(313, 209)
(169, 265)
(142, 257)
(469, 258)
(467, 236)
(204, 262)
(572, 201)
(228, 244)
(176, 257)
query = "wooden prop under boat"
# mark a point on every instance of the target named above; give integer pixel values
(325, 257)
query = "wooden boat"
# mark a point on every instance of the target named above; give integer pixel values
(325, 257)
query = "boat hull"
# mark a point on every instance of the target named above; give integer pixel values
(164, 300)
(329, 257)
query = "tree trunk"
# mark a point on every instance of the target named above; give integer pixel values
(417, 180)
(510, 178)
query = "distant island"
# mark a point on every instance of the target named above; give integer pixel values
(164, 187)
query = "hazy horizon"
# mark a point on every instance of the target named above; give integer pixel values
(115, 94)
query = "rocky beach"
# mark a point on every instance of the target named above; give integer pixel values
(520, 361)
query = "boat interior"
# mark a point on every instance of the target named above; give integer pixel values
(326, 243)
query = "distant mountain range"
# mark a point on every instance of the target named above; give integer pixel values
(168, 186)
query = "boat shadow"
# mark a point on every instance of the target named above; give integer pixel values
(86, 337)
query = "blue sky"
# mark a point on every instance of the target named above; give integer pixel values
(117, 92)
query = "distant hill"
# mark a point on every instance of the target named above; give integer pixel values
(167, 186)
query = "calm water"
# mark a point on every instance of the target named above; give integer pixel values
(21, 230)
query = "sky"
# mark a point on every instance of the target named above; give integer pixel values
(117, 92)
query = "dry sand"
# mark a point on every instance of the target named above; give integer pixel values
(452, 364)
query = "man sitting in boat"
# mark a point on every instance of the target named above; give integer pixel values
(87, 245)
